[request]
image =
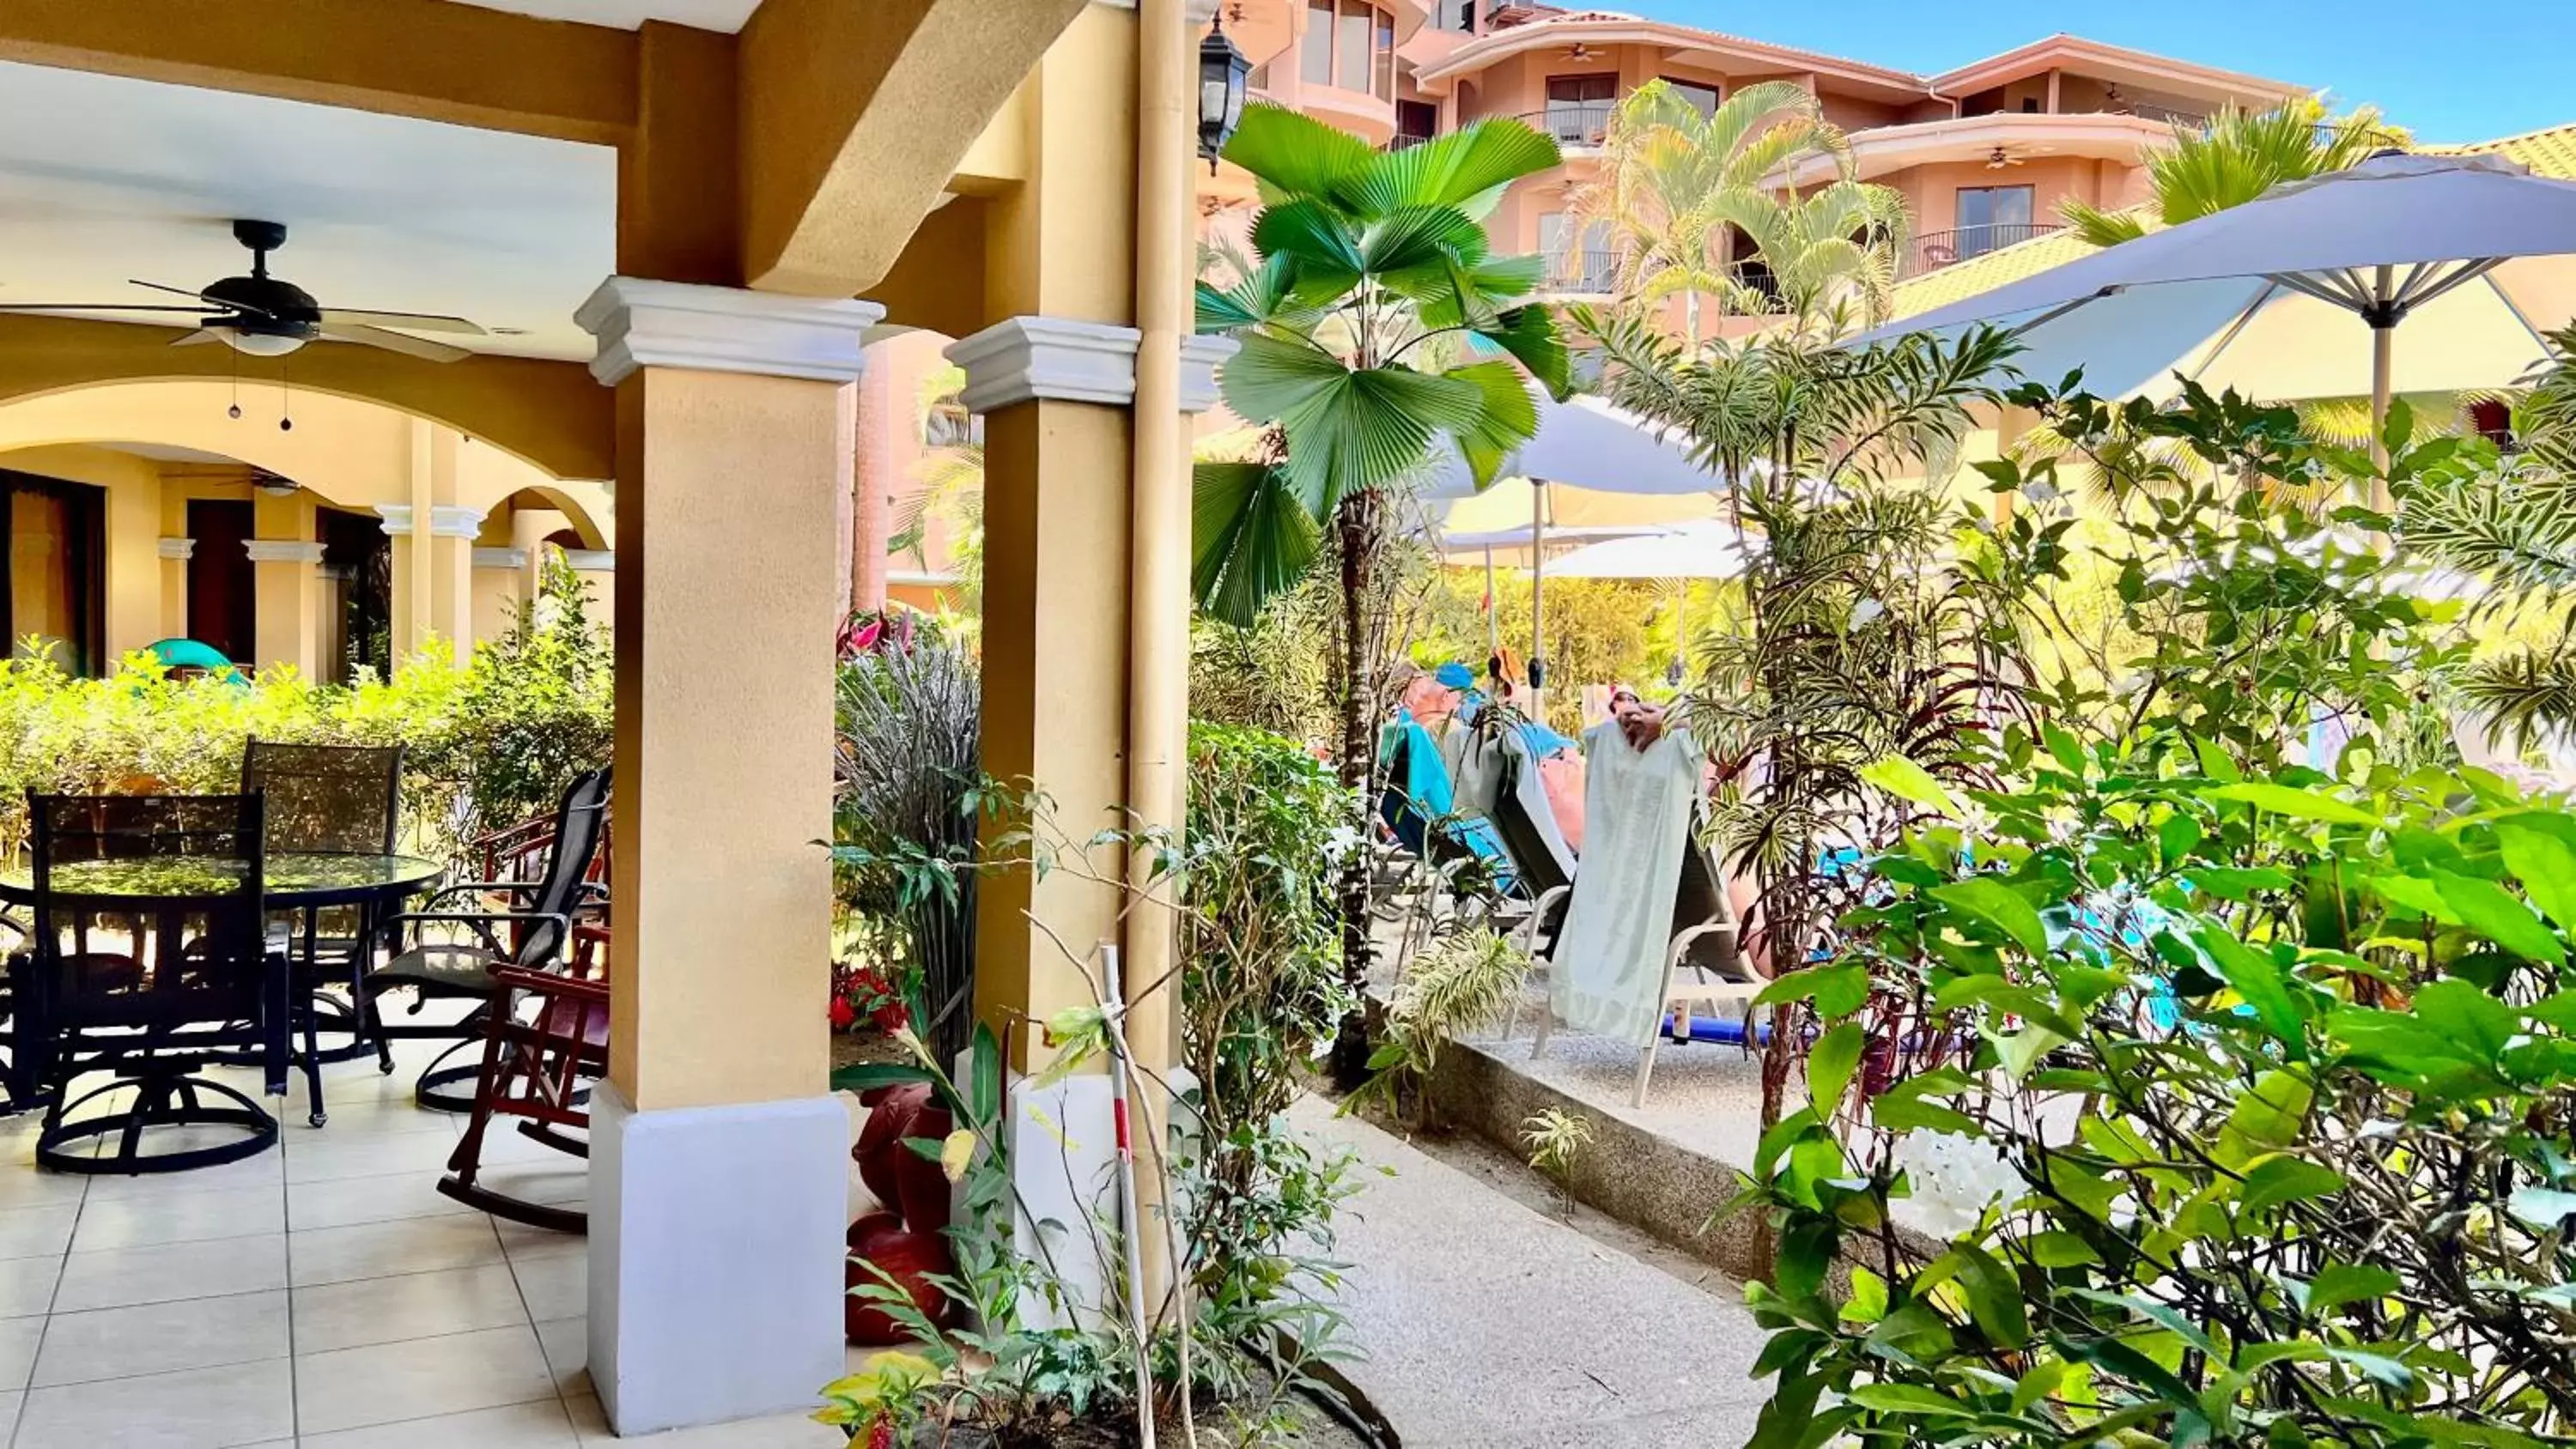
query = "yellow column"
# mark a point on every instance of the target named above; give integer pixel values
(135, 568)
(288, 569)
(175, 548)
(719, 1160)
(500, 574)
(1055, 381)
(450, 551)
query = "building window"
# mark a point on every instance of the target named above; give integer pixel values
(1455, 15)
(1315, 57)
(1259, 80)
(1991, 217)
(1701, 96)
(1578, 107)
(52, 585)
(1416, 122)
(1351, 47)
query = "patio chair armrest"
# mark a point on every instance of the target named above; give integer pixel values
(482, 887)
(550, 983)
(1683, 940)
(478, 917)
(1538, 914)
(482, 921)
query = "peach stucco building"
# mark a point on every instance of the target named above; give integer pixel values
(1983, 154)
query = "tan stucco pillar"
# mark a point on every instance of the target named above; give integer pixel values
(719, 1159)
(452, 531)
(174, 550)
(500, 592)
(136, 573)
(287, 561)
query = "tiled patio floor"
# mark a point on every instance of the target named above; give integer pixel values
(322, 1295)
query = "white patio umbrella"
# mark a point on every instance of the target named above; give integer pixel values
(1709, 550)
(2473, 254)
(1586, 443)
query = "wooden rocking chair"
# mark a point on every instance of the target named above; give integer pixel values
(545, 1040)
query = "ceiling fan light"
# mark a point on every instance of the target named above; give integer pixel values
(259, 344)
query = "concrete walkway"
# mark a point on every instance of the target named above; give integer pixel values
(1486, 1323)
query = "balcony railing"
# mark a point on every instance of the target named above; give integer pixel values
(1573, 123)
(1594, 272)
(1402, 142)
(1932, 251)
(1588, 271)
(2166, 114)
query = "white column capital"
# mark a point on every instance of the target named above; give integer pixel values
(1200, 357)
(446, 520)
(500, 558)
(178, 548)
(591, 560)
(1027, 359)
(645, 323)
(282, 550)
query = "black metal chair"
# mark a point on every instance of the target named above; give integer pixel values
(156, 1002)
(327, 800)
(533, 934)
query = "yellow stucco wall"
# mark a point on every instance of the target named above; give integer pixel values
(348, 454)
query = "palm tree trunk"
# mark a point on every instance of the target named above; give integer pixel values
(1358, 524)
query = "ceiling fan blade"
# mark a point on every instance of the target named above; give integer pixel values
(408, 321)
(200, 310)
(200, 296)
(202, 334)
(394, 342)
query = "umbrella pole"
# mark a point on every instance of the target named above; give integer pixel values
(1538, 597)
(1493, 614)
(2383, 367)
(1681, 635)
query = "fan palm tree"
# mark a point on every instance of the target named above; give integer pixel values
(1675, 185)
(2511, 524)
(1373, 275)
(2235, 157)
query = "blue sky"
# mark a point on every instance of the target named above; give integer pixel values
(2448, 71)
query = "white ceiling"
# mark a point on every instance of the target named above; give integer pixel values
(724, 15)
(104, 178)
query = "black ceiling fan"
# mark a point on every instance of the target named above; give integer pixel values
(268, 316)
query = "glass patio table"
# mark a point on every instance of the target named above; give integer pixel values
(296, 880)
(300, 881)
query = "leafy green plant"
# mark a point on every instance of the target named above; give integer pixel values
(2236, 156)
(1376, 324)
(1853, 643)
(2506, 522)
(1674, 187)
(487, 743)
(1554, 1138)
(2264, 1138)
(1464, 982)
(909, 808)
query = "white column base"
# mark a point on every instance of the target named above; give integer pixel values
(716, 1249)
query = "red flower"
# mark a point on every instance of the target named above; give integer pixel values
(881, 1434)
(843, 1013)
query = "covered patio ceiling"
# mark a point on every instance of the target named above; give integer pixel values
(104, 178)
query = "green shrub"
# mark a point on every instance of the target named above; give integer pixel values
(487, 743)
(2263, 1138)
